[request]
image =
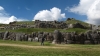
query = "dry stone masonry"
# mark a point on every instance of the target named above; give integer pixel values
(57, 37)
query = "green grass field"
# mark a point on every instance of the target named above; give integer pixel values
(18, 48)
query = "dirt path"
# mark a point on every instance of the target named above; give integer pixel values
(28, 46)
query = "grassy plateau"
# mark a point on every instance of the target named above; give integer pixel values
(30, 30)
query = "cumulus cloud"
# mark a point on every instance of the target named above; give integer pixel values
(6, 19)
(50, 15)
(90, 8)
(1, 8)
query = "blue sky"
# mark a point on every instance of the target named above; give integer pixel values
(27, 9)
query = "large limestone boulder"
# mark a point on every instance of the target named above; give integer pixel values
(6, 34)
(57, 37)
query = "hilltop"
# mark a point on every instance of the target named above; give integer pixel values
(73, 21)
(69, 25)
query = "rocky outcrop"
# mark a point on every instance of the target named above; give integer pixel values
(57, 37)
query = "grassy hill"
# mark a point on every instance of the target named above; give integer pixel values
(73, 21)
(30, 30)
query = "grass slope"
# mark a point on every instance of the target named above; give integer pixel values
(74, 21)
(30, 30)
(25, 22)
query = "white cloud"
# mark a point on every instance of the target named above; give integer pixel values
(49, 15)
(90, 8)
(6, 19)
(27, 8)
(1, 8)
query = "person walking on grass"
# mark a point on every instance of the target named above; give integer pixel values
(42, 41)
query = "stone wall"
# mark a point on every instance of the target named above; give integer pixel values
(57, 37)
